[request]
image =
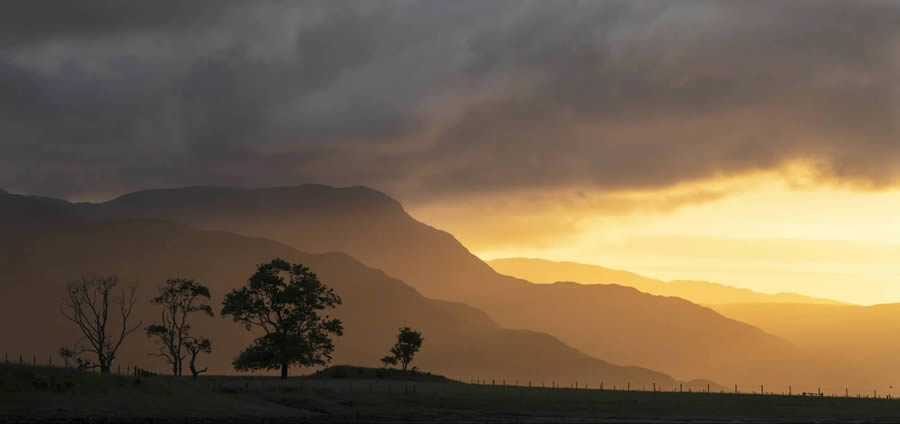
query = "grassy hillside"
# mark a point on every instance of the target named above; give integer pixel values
(30, 394)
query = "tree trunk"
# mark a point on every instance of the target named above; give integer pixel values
(284, 368)
(104, 368)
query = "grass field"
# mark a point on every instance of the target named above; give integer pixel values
(35, 394)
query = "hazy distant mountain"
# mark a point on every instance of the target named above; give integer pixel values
(701, 292)
(461, 342)
(859, 343)
(618, 324)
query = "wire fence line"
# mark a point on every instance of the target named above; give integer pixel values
(388, 385)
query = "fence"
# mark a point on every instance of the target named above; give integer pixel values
(34, 361)
(396, 386)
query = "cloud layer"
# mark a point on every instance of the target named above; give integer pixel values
(436, 99)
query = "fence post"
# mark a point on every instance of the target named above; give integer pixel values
(34, 360)
(735, 389)
(629, 386)
(707, 387)
(680, 387)
(761, 391)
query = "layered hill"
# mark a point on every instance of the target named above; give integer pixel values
(700, 292)
(619, 324)
(44, 246)
(859, 343)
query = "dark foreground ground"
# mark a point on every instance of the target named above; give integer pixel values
(29, 394)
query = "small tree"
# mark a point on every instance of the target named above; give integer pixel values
(178, 298)
(88, 303)
(408, 343)
(284, 300)
(196, 347)
(389, 361)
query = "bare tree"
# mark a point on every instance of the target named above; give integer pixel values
(88, 303)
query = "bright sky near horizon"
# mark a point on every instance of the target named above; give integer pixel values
(767, 234)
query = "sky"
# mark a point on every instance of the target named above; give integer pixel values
(682, 139)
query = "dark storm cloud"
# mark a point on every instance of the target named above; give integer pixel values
(443, 98)
(26, 23)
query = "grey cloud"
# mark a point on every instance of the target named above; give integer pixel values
(431, 99)
(25, 23)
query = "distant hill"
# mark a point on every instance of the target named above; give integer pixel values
(461, 342)
(618, 324)
(860, 343)
(701, 292)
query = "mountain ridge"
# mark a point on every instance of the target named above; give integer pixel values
(463, 341)
(381, 234)
(701, 292)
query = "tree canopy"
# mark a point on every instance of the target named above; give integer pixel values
(286, 301)
(408, 343)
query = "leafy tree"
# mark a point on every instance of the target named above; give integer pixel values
(285, 301)
(408, 343)
(178, 298)
(88, 303)
(196, 347)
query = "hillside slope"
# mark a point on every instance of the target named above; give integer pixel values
(859, 343)
(620, 325)
(461, 342)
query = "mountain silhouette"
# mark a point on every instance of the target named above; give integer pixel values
(700, 292)
(462, 342)
(618, 324)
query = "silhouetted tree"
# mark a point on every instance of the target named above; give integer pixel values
(178, 298)
(408, 343)
(69, 355)
(88, 304)
(389, 361)
(196, 347)
(284, 300)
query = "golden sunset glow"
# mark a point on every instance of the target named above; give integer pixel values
(770, 232)
(540, 211)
